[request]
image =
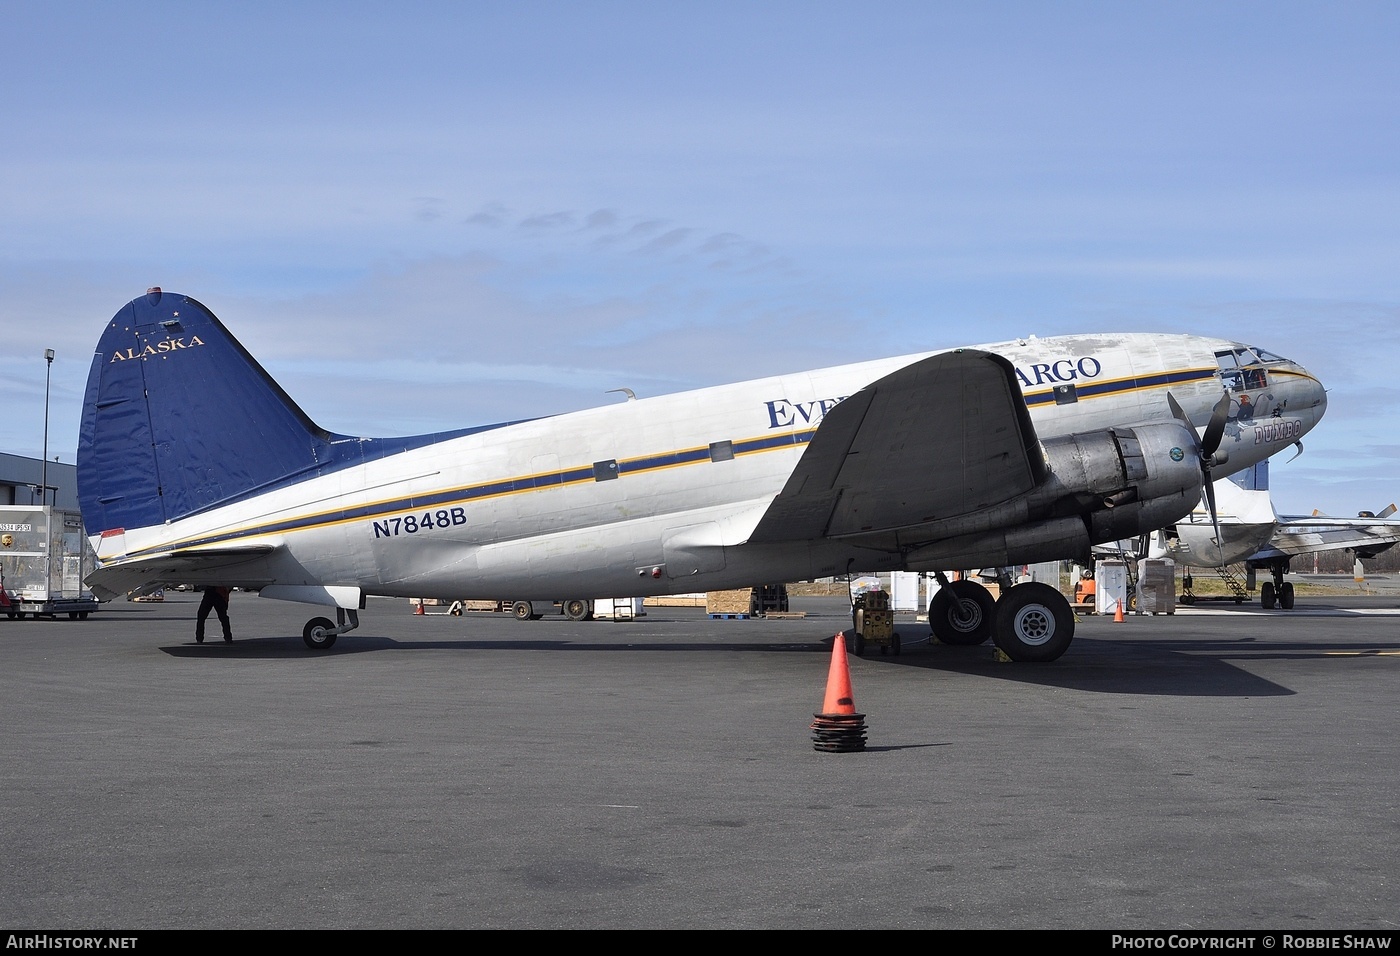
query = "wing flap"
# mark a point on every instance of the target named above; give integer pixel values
(946, 436)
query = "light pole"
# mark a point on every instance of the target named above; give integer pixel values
(48, 368)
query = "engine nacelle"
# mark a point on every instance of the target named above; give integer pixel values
(1097, 487)
(1125, 465)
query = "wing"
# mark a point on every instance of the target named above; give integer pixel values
(946, 436)
(236, 567)
(1368, 537)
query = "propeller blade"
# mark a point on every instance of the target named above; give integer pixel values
(1214, 515)
(1299, 443)
(1205, 451)
(1181, 416)
(1216, 428)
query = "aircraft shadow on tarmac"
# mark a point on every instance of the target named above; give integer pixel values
(1139, 665)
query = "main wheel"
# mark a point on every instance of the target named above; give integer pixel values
(1034, 623)
(522, 610)
(1285, 595)
(577, 609)
(1266, 595)
(962, 613)
(319, 634)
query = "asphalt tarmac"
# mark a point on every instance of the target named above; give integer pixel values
(1219, 768)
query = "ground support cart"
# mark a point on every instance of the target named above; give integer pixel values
(872, 620)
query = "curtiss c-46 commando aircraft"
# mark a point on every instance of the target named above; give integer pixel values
(195, 467)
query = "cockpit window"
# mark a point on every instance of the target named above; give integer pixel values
(1240, 369)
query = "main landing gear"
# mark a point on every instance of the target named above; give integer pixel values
(1278, 590)
(320, 634)
(1031, 622)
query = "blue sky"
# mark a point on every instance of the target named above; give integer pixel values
(425, 215)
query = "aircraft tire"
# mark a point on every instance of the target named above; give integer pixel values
(1266, 595)
(962, 613)
(577, 609)
(1034, 623)
(1285, 595)
(318, 634)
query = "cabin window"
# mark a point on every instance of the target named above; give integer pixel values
(721, 451)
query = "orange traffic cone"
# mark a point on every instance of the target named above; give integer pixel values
(1118, 614)
(838, 727)
(839, 698)
(419, 608)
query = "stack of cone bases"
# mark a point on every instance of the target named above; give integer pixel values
(838, 728)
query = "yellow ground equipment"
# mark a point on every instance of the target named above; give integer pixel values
(873, 621)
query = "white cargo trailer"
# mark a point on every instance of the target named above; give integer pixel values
(44, 557)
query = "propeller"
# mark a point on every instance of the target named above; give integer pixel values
(1205, 448)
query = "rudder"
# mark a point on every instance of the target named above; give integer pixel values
(178, 416)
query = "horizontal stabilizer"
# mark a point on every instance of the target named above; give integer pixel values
(227, 566)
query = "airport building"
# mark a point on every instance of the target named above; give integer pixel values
(22, 480)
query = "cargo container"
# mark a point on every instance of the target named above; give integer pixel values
(44, 557)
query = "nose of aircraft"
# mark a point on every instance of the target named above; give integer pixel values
(1310, 393)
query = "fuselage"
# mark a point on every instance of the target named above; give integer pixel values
(588, 503)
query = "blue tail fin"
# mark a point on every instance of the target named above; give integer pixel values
(178, 417)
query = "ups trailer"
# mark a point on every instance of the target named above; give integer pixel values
(44, 558)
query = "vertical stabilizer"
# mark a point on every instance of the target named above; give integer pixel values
(178, 416)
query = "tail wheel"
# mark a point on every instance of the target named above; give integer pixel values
(962, 613)
(1034, 623)
(319, 634)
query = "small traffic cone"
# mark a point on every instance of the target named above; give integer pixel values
(419, 608)
(838, 728)
(1118, 614)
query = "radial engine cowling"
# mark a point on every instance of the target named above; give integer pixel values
(1095, 487)
(1126, 481)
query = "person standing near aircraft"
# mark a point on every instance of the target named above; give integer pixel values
(216, 600)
